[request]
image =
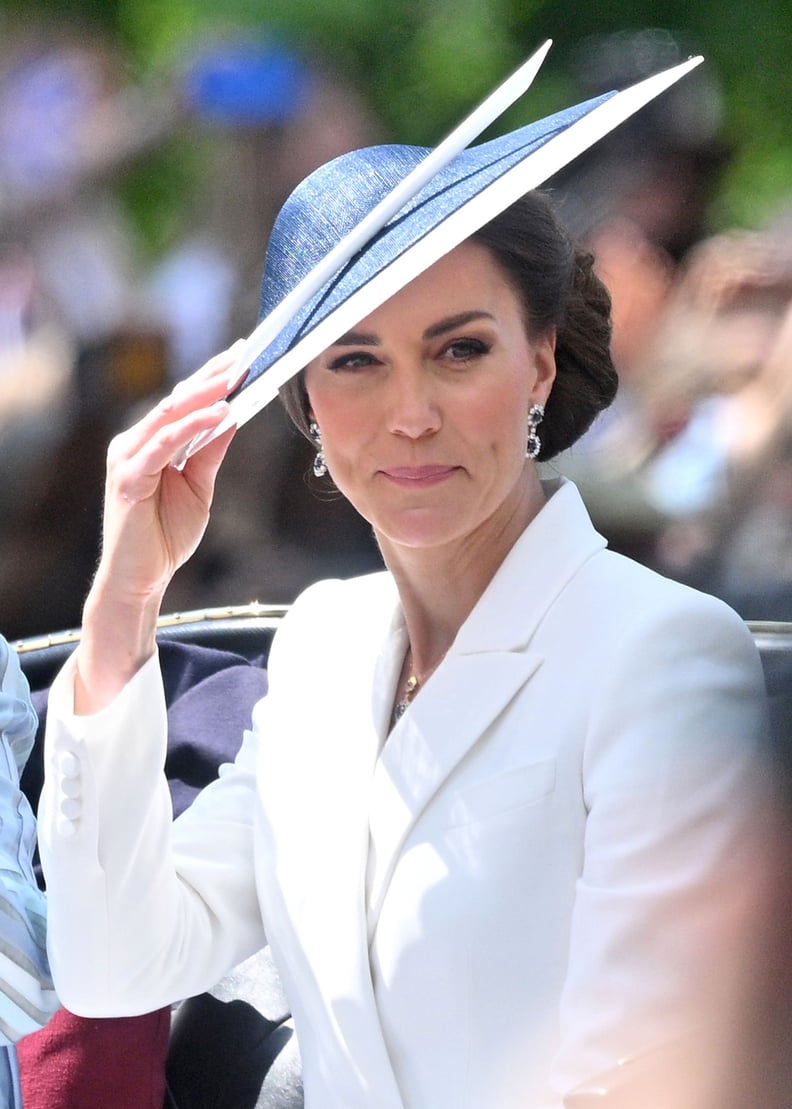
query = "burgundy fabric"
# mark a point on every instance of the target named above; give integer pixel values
(79, 1063)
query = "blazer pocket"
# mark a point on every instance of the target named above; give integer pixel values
(513, 789)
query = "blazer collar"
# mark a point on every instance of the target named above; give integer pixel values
(548, 554)
(488, 663)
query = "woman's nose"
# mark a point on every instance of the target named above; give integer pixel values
(413, 408)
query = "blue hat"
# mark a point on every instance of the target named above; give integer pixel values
(338, 200)
(328, 204)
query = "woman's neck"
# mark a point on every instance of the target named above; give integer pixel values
(440, 586)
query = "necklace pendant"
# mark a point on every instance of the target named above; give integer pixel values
(403, 704)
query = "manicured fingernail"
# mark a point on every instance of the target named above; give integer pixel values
(237, 375)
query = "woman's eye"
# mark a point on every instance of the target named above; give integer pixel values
(355, 360)
(463, 350)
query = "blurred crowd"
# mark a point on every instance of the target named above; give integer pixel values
(94, 322)
(690, 471)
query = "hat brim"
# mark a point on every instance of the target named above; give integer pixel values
(479, 184)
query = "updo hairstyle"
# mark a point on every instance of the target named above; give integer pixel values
(559, 289)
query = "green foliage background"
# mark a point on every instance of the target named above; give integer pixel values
(421, 64)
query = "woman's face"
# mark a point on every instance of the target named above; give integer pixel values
(423, 407)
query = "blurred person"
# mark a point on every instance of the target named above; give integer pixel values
(36, 358)
(640, 200)
(658, 173)
(500, 827)
(27, 996)
(103, 328)
(724, 350)
(701, 437)
(71, 123)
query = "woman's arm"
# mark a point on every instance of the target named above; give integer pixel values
(677, 793)
(154, 518)
(142, 911)
(126, 933)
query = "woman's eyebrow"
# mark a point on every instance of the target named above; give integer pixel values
(357, 339)
(368, 339)
(452, 322)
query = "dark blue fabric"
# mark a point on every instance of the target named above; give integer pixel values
(210, 696)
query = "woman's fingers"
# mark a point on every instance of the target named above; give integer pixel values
(138, 455)
(139, 470)
(137, 458)
(200, 471)
(223, 365)
(201, 390)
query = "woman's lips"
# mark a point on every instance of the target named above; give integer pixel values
(416, 476)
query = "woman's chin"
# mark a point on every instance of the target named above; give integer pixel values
(420, 530)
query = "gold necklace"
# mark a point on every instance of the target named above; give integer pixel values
(402, 704)
(411, 686)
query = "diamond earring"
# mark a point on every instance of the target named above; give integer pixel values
(534, 444)
(319, 464)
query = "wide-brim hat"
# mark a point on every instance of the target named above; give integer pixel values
(331, 260)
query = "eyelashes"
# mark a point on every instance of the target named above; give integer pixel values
(458, 351)
(355, 360)
(465, 350)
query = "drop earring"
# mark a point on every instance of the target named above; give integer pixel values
(534, 444)
(319, 464)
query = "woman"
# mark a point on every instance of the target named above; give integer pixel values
(496, 812)
(27, 997)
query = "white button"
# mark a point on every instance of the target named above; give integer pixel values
(70, 787)
(70, 808)
(66, 828)
(69, 765)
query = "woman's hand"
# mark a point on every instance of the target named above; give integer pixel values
(154, 518)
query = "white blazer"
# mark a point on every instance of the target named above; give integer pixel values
(526, 881)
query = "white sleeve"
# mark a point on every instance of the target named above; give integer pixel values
(142, 911)
(676, 788)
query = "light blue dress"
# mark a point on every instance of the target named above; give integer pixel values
(27, 997)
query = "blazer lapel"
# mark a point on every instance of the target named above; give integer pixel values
(427, 744)
(489, 662)
(320, 833)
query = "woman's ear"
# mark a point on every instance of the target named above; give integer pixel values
(544, 367)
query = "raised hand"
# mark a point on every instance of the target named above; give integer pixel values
(154, 518)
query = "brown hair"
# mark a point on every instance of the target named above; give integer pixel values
(559, 290)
